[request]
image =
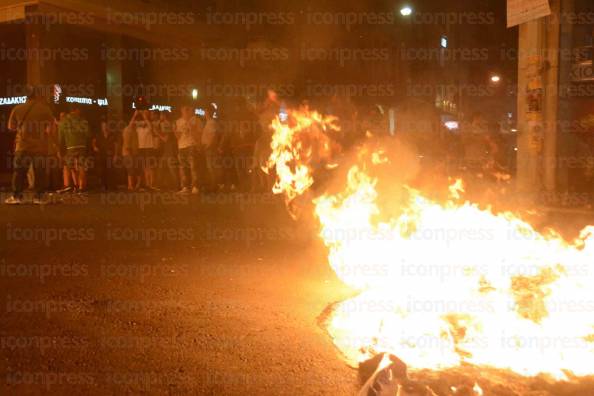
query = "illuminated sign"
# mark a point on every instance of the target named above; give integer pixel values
(87, 101)
(13, 100)
(73, 99)
(160, 108)
(202, 112)
(156, 107)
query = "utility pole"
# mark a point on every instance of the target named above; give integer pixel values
(538, 104)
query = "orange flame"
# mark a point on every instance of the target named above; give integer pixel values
(296, 145)
(445, 283)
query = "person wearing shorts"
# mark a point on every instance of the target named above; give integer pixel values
(130, 157)
(147, 157)
(74, 135)
(187, 131)
(76, 158)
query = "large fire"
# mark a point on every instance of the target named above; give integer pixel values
(444, 283)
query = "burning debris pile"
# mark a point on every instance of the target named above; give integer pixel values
(442, 284)
(392, 378)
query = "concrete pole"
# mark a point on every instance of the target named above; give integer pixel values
(538, 81)
(565, 109)
(529, 121)
(551, 98)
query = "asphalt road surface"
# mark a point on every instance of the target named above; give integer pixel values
(159, 294)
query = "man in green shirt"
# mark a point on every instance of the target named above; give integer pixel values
(32, 121)
(75, 135)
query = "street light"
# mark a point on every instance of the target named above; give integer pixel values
(194, 94)
(495, 78)
(406, 11)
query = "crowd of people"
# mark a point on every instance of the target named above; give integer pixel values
(152, 152)
(187, 153)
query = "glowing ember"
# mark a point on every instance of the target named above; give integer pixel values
(441, 284)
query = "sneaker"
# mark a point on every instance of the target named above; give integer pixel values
(65, 190)
(13, 201)
(184, 190)
(195, 190)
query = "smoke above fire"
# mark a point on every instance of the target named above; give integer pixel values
(441, 282)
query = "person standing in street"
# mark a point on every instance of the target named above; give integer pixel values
(105, 146)
(31, 121)
(75, 136)
(130, 157)
(266, 113)
(241, 138)
(187, 131)
(67, 182)
(211, 140)
(146, 145)
(168, 164)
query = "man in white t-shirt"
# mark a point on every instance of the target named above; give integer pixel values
(187, 132)
(146, 145)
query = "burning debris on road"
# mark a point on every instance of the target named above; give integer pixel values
(442, 283)
(391, 378)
